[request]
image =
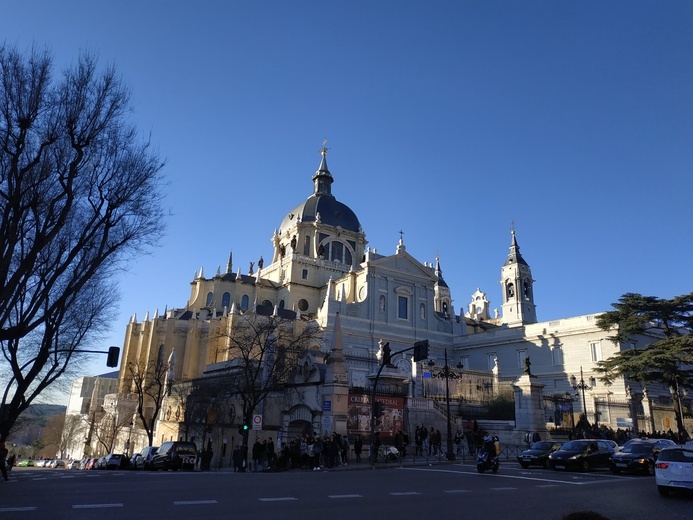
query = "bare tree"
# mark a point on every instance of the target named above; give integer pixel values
(79, 195)
(149, 384)
(263, 353)
(108, 429)
(72, 434)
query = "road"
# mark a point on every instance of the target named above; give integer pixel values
(408, 492)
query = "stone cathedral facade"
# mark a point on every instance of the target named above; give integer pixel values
(322, 270)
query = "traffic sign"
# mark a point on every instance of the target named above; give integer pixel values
(257, 422)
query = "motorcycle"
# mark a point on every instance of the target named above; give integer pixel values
(487, 460)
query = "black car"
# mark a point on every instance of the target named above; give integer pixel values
(538, 454)
(637, 456)
(175, 455)
(583, 454)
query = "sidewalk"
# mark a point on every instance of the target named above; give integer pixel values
(408, 461)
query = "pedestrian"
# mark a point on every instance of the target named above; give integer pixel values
(3, 457)
(358, 446)
(236, 458)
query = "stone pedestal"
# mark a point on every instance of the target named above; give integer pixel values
(529, 405)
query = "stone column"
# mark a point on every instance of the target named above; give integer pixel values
(529, 405)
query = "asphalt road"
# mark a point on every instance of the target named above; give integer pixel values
(409, 492)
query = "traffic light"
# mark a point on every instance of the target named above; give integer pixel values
(421, 350)
(113, 355)
(377, 409)
(244, 428)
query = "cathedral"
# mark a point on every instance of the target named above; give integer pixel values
(322, 272)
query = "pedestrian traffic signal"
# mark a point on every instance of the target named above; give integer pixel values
(421, 350)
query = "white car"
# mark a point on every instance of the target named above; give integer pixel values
(674, 469)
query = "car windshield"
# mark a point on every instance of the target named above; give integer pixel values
(637, 448)
(543, 445)
(676, 455)
(575, 445)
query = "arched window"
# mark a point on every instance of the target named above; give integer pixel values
(226, 300)
(422, 311)
(281, 304)
(210, 298)
(511, 290)
(244, 302)
(306, 246)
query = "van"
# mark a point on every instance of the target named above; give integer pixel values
(175, 455)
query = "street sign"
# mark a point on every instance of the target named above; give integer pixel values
(257, 422)
(327, 406)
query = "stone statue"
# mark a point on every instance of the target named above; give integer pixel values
(260, 263)
(251, 267)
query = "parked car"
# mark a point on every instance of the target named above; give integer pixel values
(100, 463)
(25, 463)
(660, 442)
(75, 464)
(116, 461)
(147, 455)
(538, 454)
(41, 463)
(637, 457)
(674, 469)
(56, 463)
(136, 462)
(175, 455)
(91, 463)
(583, 454)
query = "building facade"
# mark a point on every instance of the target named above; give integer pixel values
(322, 271)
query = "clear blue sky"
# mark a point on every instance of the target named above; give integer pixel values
(445, 119)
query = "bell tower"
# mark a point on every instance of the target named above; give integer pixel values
(518, 288)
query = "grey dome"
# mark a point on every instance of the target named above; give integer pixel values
(322, 202)
(332, 212)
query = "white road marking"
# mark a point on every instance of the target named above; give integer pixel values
(194, 502)
(95, 506)
(503, 489)
(16, 509)
(457, 491)
(277, 499)
(405, 493)
(345, 496)
(40, 478)
(500, 475)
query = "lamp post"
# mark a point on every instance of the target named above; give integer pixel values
(569, 399)
(451, 453)
(446, 373)
(581, 386)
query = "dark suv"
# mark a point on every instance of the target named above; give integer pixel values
(175, 455)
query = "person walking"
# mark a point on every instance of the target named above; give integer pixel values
(358, 447)
(3, 457)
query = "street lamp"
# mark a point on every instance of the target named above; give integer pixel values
(569, 398)
(447, 374)
(582, 386)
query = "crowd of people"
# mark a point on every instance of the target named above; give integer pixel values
(308, 452)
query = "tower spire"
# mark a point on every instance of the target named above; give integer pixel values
(323, 178)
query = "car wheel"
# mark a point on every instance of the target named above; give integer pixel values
(546, 464)
(524, 465)
(585, 465)
(480, 469)
(663, 490)
(649, 468)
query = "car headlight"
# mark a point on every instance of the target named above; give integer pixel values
(574, 457)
